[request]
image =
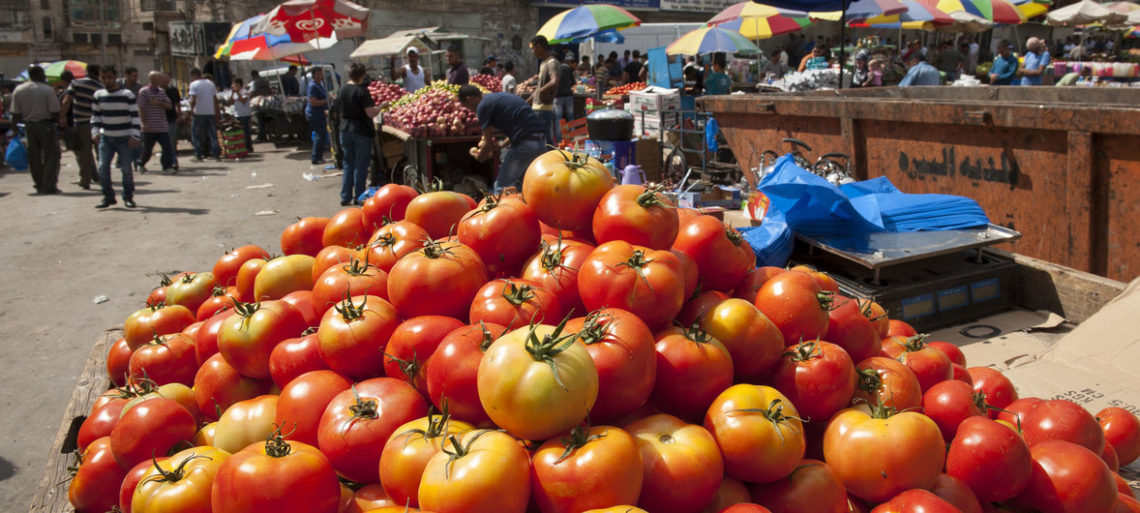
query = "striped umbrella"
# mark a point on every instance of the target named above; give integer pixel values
(56, 69)
(268, 48)
(863, 9)
(917, 16)
(238, 32)
(584, 21)
(758, 21)
(706, 40)
(997, 11)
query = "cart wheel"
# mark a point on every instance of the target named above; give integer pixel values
(673, 170)
(411, 176)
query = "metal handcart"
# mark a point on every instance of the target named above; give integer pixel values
(423, 159)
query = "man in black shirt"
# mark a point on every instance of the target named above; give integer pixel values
(564, 96)
(633, 69)
(172, 115)
(356, 109)
(289, 84)
(512, 116)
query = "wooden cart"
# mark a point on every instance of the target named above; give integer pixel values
(415, 160)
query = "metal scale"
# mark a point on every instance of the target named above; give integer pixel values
(928, 279)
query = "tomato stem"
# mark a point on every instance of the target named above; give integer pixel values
(579, 436)
(174, 475)
(869, 380)
(409, 367)
(517, 294)
(774, 414)
(275, 444)
(805, 351)
(362, 409)
(595, 328)
(348, 309)
(550, 346)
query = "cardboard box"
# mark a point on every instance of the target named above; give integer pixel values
(655, 99)
(654, 126)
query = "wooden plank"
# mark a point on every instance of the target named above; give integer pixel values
(51, 497)
(1073, 294)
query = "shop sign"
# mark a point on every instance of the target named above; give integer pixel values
(196, 39)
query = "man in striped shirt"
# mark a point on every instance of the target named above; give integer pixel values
(78, 100)
(153, 104)
(115, 131)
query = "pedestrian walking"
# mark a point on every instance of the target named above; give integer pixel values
(239, 99)
(356, 109)
(153, 104)
(204, 125)
(542, 100)
(115, 131)
(78, 100)
(316, 112)
(173, 116)
(36, 105)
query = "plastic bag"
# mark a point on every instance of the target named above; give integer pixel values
(712, 128)
(772, 241)
(366, 194)
(811, 204)
(17, 154)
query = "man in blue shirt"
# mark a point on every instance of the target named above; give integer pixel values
(316, 112)
(1036, 59)
(921, 73)
(512, 116)
(1004, 68)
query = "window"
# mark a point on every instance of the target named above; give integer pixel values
(85, 14)
(95, 38)
(45, 5)
(114, 39)
(78, 38)
(148, 26)
(15, 15)
(47, 27)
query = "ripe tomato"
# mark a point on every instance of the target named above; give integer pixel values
(412, 344)
(818, 377)
(730, 493)
(151, 427)
(247, 277)
(368, 498)
(358, 422)
(144, 324)
(179, 483)
(127, 490)
(950, 402)
(692, 369)
(295, 356)
(217, 386)
(514, 303)
(247, 338)
(158, 294)
(226, 268)
(166, 359)
(280, 476)
(331, 256)
(283, 275)
(439, 279)
(530, 369)
(928, 364)
(99, 422)
(347, 228)
(621, 347)
(796, 304)
(564, 189)
(1059, 419)
(826, 282)
(954, 491)
(637, 215)
(357, 278)
(1110, 458)
(391, 242)
(478, 472)
(206, 341)
(191, 290)
(390, 202)
(689, 271)
(118, 362)
(878, 453)
(593, 467)
(642, 281)
(746, 507)
(1017, 411)
(1126, 503)
(916, 501)
(503, 231)
(1068, 478)
(177, 392)
(218, 302)
(683, 468)
(303, 401)
(438, 212)
(452, 370)
(722, 255)
(246, 422)
(877, 315)
(897, 328)
(951, 351)
(753, 341)
(849, 328)
(353, 335)
(302, 300)
(998, 389)
(304, 237)
(408, 451)
(812, 486)
(95, 487)
(624, 508)
(699, 305)
(1121, 431)
(555, 268)
(754, 280)
(887, 382)
(758, 431)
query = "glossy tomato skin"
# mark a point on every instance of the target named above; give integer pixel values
(391, 242)
(346, 228)
(118, 362)
(390, 201)
(849, 328)
(812, 486)
(144, 324)
(353, 440)
(636, 215)
(954, 491)
(283, 275)
(758, 431)
(408, 451)
(916, 501)
(453, 367)
(817, 376)
(217, 386)
(352, 336)
(878, 455)
(226, 268)
(413, 342)
(928, 364)
(152, 427)
(1121, 431)
(437, 280)
(699, 305)
(796, 304)
(186, 491)
(746, 507)
(246, 339)
(504, 232)
(722, 255)
(214, 305)
(330, 256)
(491, 476)
(1068, 478)
(692, 370)
(753, 341)
(622, 348)
(99, 422)
(438, 213)
(730, 493)
(564, 189)
(899, 328)
(990, 458)
(604, 470)
(247, 278)
(304, 237)
(261, 478)
(1017, 411)
(887, 382)
(689, 271)
(756, 278)
(998, 389)
(951, 351)
(95, 487)
(642, 281)
(949, 403)
(293, 357)
(191, 290)
(1060, 419)
(166, 359)
(246, 422)
(303, 401)
(683, 468)
(515, 303)
(131, 481)
(356, 278)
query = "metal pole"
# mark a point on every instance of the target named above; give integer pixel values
(842, 43)
(103, 29)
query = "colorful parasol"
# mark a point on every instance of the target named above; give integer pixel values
(305, 20)
(1084, 12)
(758, 21)
(1031, 8)
(706, 40)
(997, 11)
(55, 69)
(238, 32)
(268, 48)
(917, 16)
(863, 9)
(585, 21)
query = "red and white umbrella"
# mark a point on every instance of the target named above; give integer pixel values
(304, 20)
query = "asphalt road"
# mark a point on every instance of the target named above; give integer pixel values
(58, 253)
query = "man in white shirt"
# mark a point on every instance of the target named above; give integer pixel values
(203, 126)
(238, 99)
(414, 75)
(510, 83)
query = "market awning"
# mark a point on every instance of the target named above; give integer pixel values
(389, 46)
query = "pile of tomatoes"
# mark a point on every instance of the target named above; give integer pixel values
(577, 347)
(627, 88)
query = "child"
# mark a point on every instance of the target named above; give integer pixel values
(876, 69)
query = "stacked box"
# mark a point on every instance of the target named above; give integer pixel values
(654, 125)
(233, 144)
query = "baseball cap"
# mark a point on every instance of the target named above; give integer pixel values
(412, 49)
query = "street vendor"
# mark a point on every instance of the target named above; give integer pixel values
(817, 59)
(1005, 65)
(414, 76)
(457, 74)
(510, 115)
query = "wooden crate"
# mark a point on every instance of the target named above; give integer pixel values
(51, 496)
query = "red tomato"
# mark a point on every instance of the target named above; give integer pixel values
(392, 241)
(369, 497)
(960, 373)
(699, 306)
(683, 468)
(637, 215)
(1121, 431)
(408, 451)
(283, 275)
(555, 267)
(280, 476)
(897, 328)
(954, 491)
(439, 279)
(480, 472)
(191, 290)
(304, 237)
(730, 493)
(928, 364)
(206, 343)
(690, 271)
(722, 255)
(390, 202)
(754, 280)
(151, 427)
(889, 383)
(99, 422)
(158, 294)
(352, 336)
(990, 458)
(746, 507)
(950, 350)
(217, 386)
(916, 501)
(877, 315)
(1068, 478)
(226, 268)
(1122, 485)
(247, 338)
(812, 486)
(412, 344)
(358, 422)
(303, 401)
(166, 359)
(118, 362)
(95, 487)
(692, 369)
(302, 300)
(330, 256)
(1060, 419)
(218, 302)
(145, 324)
(1017, 411)
(818, 377)
(644, 282)
(564, 189)
(438, 212)
(950, 402)
(452, 371)
(247, 278)
(514, 303)
(1110, 458)
(622, 348)
(136, 474)
(758, 431)
(826, 282)
(796, 304)
(998, 390)
(356, 278)
(1126, 503)
(504, 232)
(180, 483)
(295, 356)
(592, 468)
(346, 228)
(848, 327)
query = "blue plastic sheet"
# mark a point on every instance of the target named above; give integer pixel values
(16, 154)
(712, 128)
(772, 241)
